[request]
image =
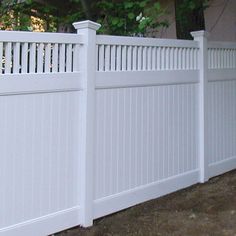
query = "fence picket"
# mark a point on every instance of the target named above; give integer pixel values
(113, 58)
(55, 58)
(134, 58)
(107, 58)
(62, 57)
(32, 58)
(40, 57)
(124, 58)
(47, 65)
(24, 58)
(16, 58)
(101, 57)
(8, 58)
(1, 57)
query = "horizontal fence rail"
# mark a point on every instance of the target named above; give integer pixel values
(93, 124)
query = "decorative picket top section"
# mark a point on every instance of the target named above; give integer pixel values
(221, 55)
(143, 54)
(23, 52)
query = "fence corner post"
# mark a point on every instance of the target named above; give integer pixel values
(201, 38)
(87, 66)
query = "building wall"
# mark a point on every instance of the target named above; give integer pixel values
(220, 19)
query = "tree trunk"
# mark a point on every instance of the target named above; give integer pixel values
(189, 16)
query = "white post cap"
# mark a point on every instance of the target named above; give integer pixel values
(200, 33)
(87, 24)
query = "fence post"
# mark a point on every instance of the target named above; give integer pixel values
(87, 66)
(201, 38)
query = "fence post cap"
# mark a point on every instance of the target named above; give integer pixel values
(86, 24)
(200, 33)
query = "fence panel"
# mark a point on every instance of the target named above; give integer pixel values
(222, 107)
(146, 126)
(40, 107)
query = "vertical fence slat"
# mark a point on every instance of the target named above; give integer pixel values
(32, 58)
(191, 58)
(113, 58)
(153, 51)
(124, 58)
(76, 55)
(209, 58)
(231, 58)
(167, 58)
(129, 58)
(24, 58)
(144, 64)
(139, 58)
(101, 57)
(172, 58)
(47, 65)
(158, 56)
(40, 58)
(163, 58)
(55, 58)
(118, 58)
(175, 59)
(1, 58)
(16, 58)
(8, 58)
(62, 57)
(69, 58)
(187, 60)
(107, 57)
(134, 58)
(149, 58)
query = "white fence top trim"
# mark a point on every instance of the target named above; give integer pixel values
(136, 41)
(39, 37)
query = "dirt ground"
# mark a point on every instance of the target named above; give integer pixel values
(203, 209)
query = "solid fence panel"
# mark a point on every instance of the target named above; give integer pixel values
(140, 137)
(39, 161)
(40, 131)
(222, 104)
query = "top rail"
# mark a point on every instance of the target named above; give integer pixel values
(38, 37)
(220, 45)
(136, 41)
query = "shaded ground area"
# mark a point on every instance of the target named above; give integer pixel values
(203, 209)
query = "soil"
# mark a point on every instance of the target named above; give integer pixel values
(201, 210)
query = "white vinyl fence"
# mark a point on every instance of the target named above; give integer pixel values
(94, 124)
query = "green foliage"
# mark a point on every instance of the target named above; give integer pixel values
(117, 17)
(17, 16)
(129, 17)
